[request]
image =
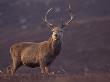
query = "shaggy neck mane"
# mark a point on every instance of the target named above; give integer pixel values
(55, 45)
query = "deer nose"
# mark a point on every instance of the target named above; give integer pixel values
(56, 35)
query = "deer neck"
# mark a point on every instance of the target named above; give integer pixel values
(55, 45)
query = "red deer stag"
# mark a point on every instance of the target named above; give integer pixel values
(41, 54)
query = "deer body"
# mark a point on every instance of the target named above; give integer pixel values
(33, 53)
(45, 51)
(41, 54)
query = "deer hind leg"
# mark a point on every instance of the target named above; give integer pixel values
(16, 64)
(16, 60)
(9, 69)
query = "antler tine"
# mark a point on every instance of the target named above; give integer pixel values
(71, 16)
(45, 17)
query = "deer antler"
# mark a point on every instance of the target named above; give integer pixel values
(71, 18)
(45, 18)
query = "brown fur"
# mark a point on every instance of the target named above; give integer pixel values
(34, 54)
(38, 54)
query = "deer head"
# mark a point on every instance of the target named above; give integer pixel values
(57, 31)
